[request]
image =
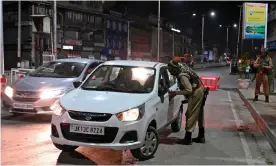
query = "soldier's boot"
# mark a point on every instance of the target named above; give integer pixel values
(267, 99)
(201, 136)
(187, 139)
(256, 98)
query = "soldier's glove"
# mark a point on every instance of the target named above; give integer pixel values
(172, 94)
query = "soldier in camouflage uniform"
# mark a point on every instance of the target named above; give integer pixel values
(190, 87)
(264, 67)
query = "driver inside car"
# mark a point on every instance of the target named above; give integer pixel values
(124, 80)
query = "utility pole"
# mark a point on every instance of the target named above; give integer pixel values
(128, 42)
(227, 43)
(55, 29)
(1, 41)
(173, 44)
(202, 32)
(19, 35)
(239, 30)
(33, 42)
(158, 33)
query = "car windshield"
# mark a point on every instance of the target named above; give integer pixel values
(59, 70)
(126, 79)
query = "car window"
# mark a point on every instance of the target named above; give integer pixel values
(128, 79)
(172, 79)
(163, 79)
(59, 70)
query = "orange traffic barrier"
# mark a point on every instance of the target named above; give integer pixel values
(211, 81)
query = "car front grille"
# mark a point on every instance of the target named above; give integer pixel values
(89, 116)
(25, 96)
(108, 137)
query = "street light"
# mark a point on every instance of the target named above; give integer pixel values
(202, 38)
(213, 14)
(227, 27)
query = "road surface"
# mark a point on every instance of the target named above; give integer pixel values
(231, 133)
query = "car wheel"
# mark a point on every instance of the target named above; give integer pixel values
(65, 148)
(177, 124)
(149, 147)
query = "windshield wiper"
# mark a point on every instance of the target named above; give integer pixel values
(136, 91)
(108, 88)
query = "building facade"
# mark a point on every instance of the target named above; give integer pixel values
(83, 30)
(80, 30)
(271, 34)
(116, 31)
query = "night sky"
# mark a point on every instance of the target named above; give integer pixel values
(227, 13)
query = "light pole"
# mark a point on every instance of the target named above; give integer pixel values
(158, 31)
(227, 35)
(239, 30)
(55, 29)
(1, 42)
(174, 30)
(19, 35)
(212, 14)
(128, 39)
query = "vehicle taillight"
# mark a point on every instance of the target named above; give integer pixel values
(20, 75)
(3, 80)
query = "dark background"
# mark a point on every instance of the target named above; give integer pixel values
(227, 14)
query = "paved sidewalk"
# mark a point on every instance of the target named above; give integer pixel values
(263, 113)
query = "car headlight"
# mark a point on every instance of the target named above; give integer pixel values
(133, 114)
(49, 94)
(57, 109)
(9, 91)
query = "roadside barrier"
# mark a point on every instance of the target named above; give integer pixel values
(211, 81)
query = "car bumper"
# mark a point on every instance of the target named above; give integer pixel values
(37, 107)
(116, 140)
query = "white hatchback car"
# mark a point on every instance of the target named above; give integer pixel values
(121, 105)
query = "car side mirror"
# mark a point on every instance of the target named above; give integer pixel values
(77, 84)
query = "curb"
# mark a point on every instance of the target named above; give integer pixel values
(271, 136)
(203, 67)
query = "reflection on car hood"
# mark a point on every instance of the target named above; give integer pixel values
(29, 83)
(101, 101)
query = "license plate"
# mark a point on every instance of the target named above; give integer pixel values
(23, 106)
(86, 129)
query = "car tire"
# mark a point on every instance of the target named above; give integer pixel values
(139, 153)
(65, 148)
(177, 124)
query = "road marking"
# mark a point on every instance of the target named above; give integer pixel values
(245, 146)
(230, 159)
(226, 100)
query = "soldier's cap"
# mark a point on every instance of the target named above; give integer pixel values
(173, 64)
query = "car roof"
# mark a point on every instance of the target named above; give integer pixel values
(133, 63)
(79, 60)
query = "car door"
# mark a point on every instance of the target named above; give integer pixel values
(163, 105)
(174, 104)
